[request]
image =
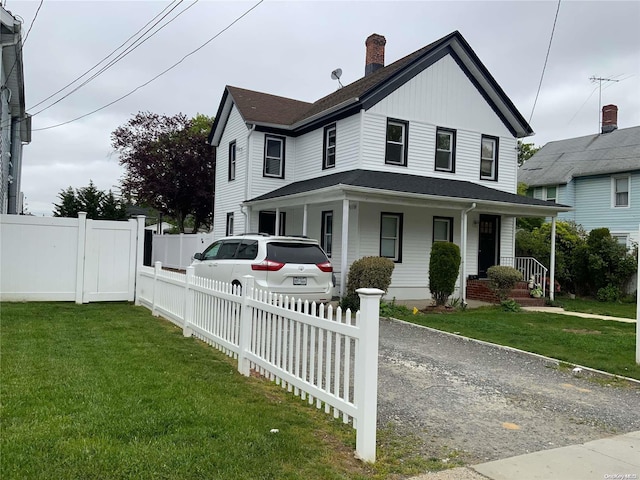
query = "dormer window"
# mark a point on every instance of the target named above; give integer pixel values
(397, 141)
(274, 156)
(329, 147)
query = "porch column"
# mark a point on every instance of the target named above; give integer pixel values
(344, 247)
(552, 261)
(277, 232)
(463, 252)
(304, 220)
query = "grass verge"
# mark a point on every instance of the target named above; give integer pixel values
(590, 305)
(106, 391)
(601, 344)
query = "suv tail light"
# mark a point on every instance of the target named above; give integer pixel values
(325, 266)
(267, 265)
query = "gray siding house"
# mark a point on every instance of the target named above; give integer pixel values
(419, 151)
(599, 175)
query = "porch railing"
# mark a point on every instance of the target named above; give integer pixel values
(530, 268)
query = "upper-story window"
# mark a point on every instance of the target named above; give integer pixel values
(551, 194)
(329, 147)
(391, 236)
(620, 191)
(397, 142)
(445, 150)
(274, 156)
(232, 160)
(489, 158)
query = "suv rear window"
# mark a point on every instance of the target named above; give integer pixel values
(304, 253)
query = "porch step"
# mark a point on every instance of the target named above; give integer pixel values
(479, 290)
(531, 302)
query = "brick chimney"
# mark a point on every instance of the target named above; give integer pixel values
(375, 53)
(609, 118)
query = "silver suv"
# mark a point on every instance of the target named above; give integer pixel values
(293, 266)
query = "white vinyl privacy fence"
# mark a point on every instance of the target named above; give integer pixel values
(327, 357)
(68, 259)
(176, 251)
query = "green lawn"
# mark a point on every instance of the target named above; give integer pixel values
(600, 344)
(106, 391)
(590, 305)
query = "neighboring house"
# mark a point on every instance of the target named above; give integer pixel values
(15, 123)
(420, 151)
(599, 175)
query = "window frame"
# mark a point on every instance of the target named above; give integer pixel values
(449, 221)
(453, 133)
(405, 142)
(283, 142)
(233, 150)
(327, 215)
(553, 199)
(326, 146)
(229, 224)
(494, 176)
(614, 191)
(398, 238)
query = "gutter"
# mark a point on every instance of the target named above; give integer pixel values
(243, 206)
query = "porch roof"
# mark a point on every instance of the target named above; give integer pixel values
(415, 186)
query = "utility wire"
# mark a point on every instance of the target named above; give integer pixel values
(158, 75)
(138, 42)
(545, 62)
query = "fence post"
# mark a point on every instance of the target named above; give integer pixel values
(139, 257)
(367, 375)
(244, 339)
(187, 331)
(82, 245)
(156, 270)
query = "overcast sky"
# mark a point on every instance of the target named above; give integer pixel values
(290, 49)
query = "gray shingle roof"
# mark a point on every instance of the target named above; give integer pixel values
(558, 162)
(401, 182)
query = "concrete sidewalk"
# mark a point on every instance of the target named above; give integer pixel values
(561, 311)
(610, 458)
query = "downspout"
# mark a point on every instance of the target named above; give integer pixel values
(244, 208)
(463, 253)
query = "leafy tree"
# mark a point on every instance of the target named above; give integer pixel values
(169, 164)
(526, 151)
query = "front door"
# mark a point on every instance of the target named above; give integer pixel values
(488, 243)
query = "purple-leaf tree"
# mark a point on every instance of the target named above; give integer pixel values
(169, 165)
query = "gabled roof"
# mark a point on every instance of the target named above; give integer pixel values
(404, 183)
(558, 162)
(295, 117)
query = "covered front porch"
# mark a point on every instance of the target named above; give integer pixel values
(401, 216)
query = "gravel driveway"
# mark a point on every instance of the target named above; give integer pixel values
(487, 402)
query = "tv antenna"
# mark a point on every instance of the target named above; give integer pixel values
(600, 80)
(336, 74)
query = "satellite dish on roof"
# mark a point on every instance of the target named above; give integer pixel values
(336, 74)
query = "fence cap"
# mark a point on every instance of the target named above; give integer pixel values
(369, 292)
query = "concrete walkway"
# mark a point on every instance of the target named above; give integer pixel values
(561, 311)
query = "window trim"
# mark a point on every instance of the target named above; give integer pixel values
(229, 224)
(450, 221)
(494, 177)
(614, 191)
(398, 238)
(326, 214)
(546, 194)
(405, 145)
(283, 141)
(326, 146)
(232, 160)
(454, 135)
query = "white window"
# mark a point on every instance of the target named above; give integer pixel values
(445, 150)
(329, 151)
(274, 156)
(620, 188)
(489, 158)
(232, 160)
(442, 229)
(229, 228)
(551, 194)
(621, 238)
(397, 138)
(391, 236)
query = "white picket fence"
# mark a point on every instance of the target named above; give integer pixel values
(325, 356)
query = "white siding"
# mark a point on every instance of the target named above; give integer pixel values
(229, 194)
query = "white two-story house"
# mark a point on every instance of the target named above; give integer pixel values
(420, 151)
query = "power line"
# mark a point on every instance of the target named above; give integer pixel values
(138, 42)
(158, 75)
(545, 62)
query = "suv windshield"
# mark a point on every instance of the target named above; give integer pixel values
(284, 252)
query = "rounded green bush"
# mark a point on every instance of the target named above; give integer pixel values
(502, 279)
(367, 272)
